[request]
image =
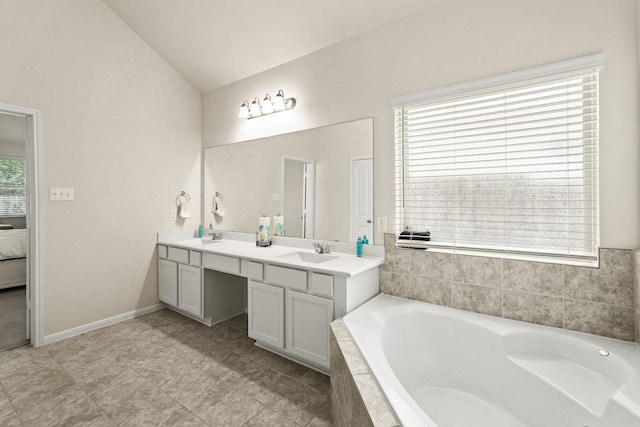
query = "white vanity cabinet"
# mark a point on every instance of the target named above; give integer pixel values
(180, 279)
(266, 313)
(285, 317)
(307, 319)
(190, 289)
(290, 302)
(168, 282)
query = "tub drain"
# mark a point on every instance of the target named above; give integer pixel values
(603, 352)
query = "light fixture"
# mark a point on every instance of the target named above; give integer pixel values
(244, 110)
(257, 109)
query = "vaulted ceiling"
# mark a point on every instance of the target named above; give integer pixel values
(213, 43)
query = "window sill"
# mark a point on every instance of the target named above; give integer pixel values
(548, 259)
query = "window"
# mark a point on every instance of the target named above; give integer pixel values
(12, 187)
(507, 164)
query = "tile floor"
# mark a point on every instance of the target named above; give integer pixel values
(161, 369)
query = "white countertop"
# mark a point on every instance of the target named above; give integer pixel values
(343, 264)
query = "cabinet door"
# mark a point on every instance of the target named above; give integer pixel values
(266, 313)
(168, 282)
(307, 326)
(190, 289)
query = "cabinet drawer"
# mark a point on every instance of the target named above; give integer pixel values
(162, 252)
(195, 258)
(289, 277)
(226, 264)
(321, 284)
(256, 271)
(179, 255)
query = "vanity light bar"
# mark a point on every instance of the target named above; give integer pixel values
(257, 108)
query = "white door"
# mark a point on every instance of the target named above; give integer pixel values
(308, 200)
(307, 319)
(190, 289)
(361, 221)
(266, 313)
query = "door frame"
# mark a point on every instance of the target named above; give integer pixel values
(33, 156)
(352, 225)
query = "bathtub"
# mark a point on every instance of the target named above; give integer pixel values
(443, 367)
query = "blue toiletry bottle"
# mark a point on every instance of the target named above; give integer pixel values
(200, 230)
(365, 240)
(359, 244)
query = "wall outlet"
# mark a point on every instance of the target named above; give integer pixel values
(381, 224)
(60, 194)
(174, 215)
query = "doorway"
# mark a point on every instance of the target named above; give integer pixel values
(298, 196)
(20, 225)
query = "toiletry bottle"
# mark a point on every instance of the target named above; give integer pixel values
(200, 230)
(365, 240)
(210, 226)
(359, 244)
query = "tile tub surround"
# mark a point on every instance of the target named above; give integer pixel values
(636, 291)
(594, 300)
(356, 399)
(161, 369)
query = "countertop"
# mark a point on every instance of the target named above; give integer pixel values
(343, 264)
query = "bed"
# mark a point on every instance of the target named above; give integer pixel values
(13, 257)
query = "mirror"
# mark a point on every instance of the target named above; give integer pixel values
(320, 180)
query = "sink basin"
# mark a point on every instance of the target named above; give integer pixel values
(311, 257)
(206, 241)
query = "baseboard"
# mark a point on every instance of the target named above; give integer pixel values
(79, 330)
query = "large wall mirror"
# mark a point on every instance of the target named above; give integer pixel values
(320, 180)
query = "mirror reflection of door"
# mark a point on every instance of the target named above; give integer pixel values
(298, 197)
(14, 327)
(361, 198)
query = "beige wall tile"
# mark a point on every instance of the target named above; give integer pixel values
(533, 308)
(612, 283)
(436, 265)
(475, 270)
(477, 298)
(535, 277)
(600, 319)
(429, 290)
(395, 284)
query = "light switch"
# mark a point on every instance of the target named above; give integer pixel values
(381, 224)
(61, 194)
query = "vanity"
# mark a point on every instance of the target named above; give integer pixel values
(290, 292)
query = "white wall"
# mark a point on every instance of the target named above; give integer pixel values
(122, 128)
(457, 41)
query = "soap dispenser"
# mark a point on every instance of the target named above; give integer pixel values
(359, 244)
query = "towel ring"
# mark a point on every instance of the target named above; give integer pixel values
(216, 208)
(183, 194)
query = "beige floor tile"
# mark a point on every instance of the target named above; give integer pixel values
(234, 409)
(162, 369)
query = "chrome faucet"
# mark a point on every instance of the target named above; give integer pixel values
(322, 249)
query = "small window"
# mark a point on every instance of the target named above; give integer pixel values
(12, 188)
(507, 164)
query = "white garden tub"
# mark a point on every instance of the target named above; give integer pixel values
(444, 367)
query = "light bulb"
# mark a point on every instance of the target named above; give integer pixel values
(267, 106)
(278, 103)
(244, 110)
(254, 111)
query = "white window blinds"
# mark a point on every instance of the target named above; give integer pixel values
(12, 187)
(512, 168)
